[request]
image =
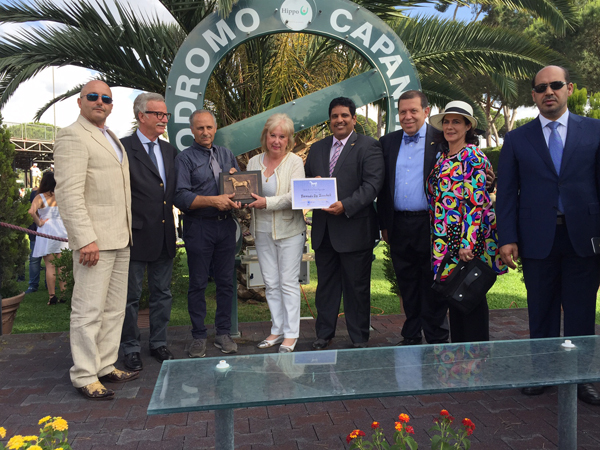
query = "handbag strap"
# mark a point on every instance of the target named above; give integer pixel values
(451, 275)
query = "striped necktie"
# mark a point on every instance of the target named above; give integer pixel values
(337, 149)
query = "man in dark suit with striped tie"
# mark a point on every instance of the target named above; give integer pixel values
(343, 235)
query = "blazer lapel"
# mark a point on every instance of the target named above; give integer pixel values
(536, 138)
(430, 154)
(574, 134)
(345, 152)
(99, 137)
(391, 167)
(167, 162)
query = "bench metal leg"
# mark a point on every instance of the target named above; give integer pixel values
(567, 417)
(224, 429)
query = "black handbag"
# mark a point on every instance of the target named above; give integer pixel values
(467, 284)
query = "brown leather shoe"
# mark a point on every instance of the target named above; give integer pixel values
(120, 376)
(96, 391)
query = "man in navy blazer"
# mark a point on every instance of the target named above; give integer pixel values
(152, 174)
(343, 235)
(404, 219)
(548, 210)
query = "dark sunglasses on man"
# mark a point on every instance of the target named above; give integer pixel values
(554, 85)
(159, 114)
(93, 97)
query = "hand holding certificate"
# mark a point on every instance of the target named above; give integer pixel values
(314, 193)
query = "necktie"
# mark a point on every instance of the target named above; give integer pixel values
(337, 149)
(151, 153)
(214, 165)
(555, 145)
(414, 138)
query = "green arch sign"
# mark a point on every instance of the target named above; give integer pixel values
(342, 20)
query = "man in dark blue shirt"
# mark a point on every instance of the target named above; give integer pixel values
(208, 229)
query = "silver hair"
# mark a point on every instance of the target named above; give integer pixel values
(202, 111)
(141, 102)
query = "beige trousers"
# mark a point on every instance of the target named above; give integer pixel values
(97, 313)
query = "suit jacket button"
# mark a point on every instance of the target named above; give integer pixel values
(164, 203)
(163, 221)
(161, 185)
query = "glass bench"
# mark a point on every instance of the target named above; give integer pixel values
(302, 377)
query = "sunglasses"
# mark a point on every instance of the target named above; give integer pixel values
(159, 114)
(555, 86)
(94, 97)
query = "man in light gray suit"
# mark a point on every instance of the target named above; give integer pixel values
(94, 200)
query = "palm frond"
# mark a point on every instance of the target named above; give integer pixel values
(189, 13)
(561, 15)
(127, 51)
(447, 47)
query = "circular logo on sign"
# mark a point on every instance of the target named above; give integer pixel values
(296, 14)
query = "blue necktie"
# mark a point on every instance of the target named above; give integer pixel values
(555, 145)
(414, 138)
(151, 153)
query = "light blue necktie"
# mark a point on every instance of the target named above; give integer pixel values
(555, 145)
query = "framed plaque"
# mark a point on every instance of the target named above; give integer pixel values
(242, 184)
(313, 193)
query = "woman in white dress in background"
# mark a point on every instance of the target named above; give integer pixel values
(279, 232)
(47, 218)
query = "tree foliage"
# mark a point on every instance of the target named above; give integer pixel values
(137, 52)
(14, 249)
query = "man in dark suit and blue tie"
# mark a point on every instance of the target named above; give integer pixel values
(402, 207)
(548, 210)
(152, 174)
(344, 234)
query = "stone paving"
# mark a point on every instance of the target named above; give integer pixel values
(34, 382)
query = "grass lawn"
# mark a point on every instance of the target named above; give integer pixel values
(34, 316)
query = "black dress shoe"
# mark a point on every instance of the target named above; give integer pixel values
(359, 345)
(161, 354)
(587, 393)
(133, 361)
(533, 390)
(408, 341)
(321, 344)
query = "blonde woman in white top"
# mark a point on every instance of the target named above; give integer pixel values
(279, 232)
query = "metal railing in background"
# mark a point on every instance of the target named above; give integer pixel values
(31, 131)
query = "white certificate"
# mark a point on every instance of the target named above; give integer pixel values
(313, 193)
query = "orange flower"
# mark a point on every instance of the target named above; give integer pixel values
(403, 418)
(354, 435)
(444, 412)
(375, 425)
(410, 430)
(398, 426)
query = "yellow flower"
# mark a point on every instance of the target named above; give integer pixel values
(45, 419)
(35, 447)
(15, 442)
(30, 438)
(2, 432)
(59, 448)
(60, 424)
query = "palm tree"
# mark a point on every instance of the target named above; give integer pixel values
(131, 52)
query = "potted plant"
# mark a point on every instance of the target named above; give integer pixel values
(14, 249)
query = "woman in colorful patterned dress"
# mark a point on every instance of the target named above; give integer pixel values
(462, 217)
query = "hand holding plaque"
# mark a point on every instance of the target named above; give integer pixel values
(242, 185)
